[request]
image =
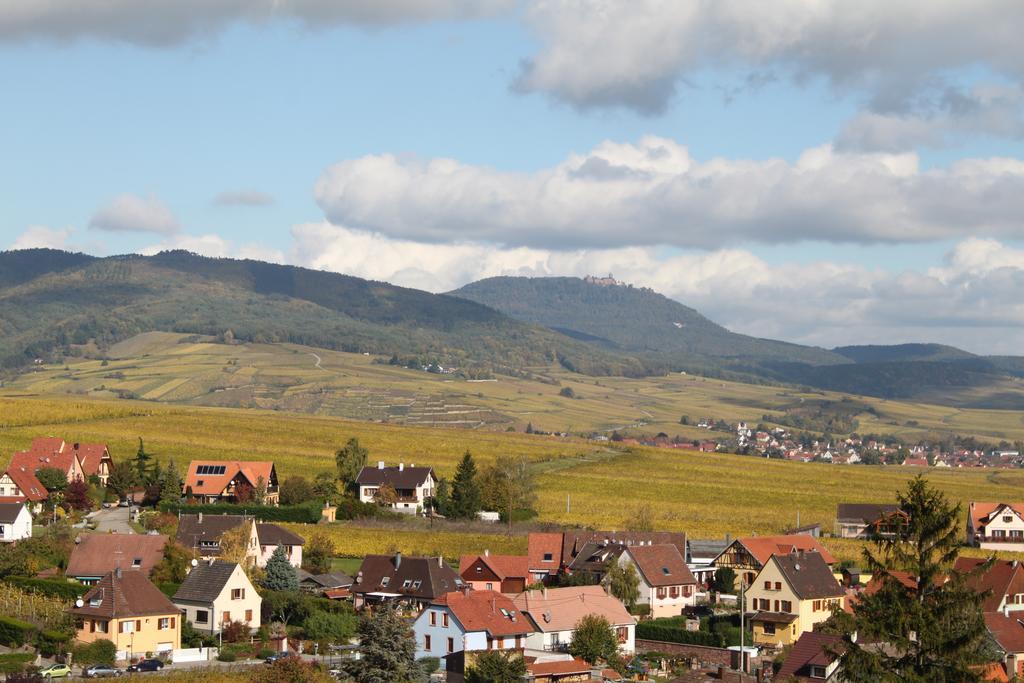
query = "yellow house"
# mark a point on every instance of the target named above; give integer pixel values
(128, 610)
(790, 595)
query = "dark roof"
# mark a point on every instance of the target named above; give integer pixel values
(593, 557)
(193, 529)
(97, 554)
(574, 541)
(129, 595)
(9, 512)
(661, 565)
(406, 478)
(705, 548)
(272, 534)
(325, 581)
(774, 617)
(434, 576)
(205, 582)
(811, 649)
(864, 512)
(809, 576)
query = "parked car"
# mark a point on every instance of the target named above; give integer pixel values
(101, 671)
(55, 671)
(280, 655)
(124, 503)
(147, 665)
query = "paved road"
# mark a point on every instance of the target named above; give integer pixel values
(112, 519)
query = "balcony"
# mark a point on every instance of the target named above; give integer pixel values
(999, 539)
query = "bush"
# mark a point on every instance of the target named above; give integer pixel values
(674, 633)
(265, 652)
(54, 588)
(226, 656)
(15, 662)
(14, 632)
(97, 652)
(430, 664)
(51, 643)
(307, 513)
(334, 628)
(236, 632)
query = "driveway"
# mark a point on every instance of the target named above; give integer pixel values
(112, 519)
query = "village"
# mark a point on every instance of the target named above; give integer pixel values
(104, 572)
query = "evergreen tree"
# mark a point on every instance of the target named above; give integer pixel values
(280, 574)
(443, 498)
(933, 631)
(594, 640)
(350, 460)
(465, 490)
(623, 582)
(142, 459)
(724, 580)
(122, 478)
(387, 650)
(170, 485)
(495, 666)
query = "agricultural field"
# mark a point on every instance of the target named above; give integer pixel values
(166, 368)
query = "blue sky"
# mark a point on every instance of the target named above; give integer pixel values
(740, 163)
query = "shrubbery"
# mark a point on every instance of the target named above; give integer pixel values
(307, 513)
(14, 632)
(671, 631)
(97, 652)
(15, 662)
(54, 588)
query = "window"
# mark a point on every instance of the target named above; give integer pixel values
(238, 594)
(490, 586)
(165, 623)
(817, 672)
(248, 616)
(137, 562)
(673, 592)
(767, 585)
(479, 569)
(385, 581)
(661, 592)
(687, 591)
(209, 544)
(548, 557)
(433, 618)
(225, 618)
(769, 629)
(426, 642)
(778, 585)
(444, 621)
(766, 605)
(1007, 519)
(406, 583)
(100, 626)
(126, 627)
(451, 645)
(621, 634)
(665, 571)
(416, 584)
(787, 606)
(817, 606)
(202, 616)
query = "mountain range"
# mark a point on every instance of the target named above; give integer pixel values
(55, 303)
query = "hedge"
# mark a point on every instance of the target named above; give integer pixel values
(649, 630)
(306, 513)
(14, 632)
(54, 588)
(15, 662)
(53, 642)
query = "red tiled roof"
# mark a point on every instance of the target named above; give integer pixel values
(1008, 631)
(503, 566)
(560, 609)
(337, 593)
(812, 649)
(980, 512)
(661, 565)
(99, 554)
(90, 455)
(48, 451)
(128, 595)
(214, 484)
(1004, 577)
(488, 611)
(763, 547)
(26, 481)
(541, 544)
(993, 672)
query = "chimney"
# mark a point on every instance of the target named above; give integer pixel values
(401, 466)
(487, 552)
(76, 446)
(545, 589)
(440, 561)
(211, 561)
(398, 559)
(117, 572)
(380, 464)
(200, 518)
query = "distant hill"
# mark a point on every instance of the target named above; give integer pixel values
(55, 302)
(902, 353)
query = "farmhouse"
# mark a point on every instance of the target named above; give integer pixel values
(96, 555)
(556, 611)
(237, 481)
(666, 583)
(502, 573)
(470, 620)
(78, 460)
(544, 555)
(863, 520)
(996, 526)
(746, 556)
(19, 484)
(270, 536)
(790, 595)
(216, 593)
(405, 489)
(410, 581)
(202, 534)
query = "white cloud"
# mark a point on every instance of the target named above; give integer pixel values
(654, 193)
(633, 53)
(243, 198)
(971, 300)
(214, 246)
(131, 213)
(164, 23)
(43, 237)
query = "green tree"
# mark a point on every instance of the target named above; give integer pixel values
(933, 631)
(724, 580)
(170, 486)
(280, 574)
(386, 648)
(443, 498)
(142, 459)
(122, 478)
(495, 666)
(296, 490)
(349, 460)
(623, 582)
(386, 495)
(52, 478)
(330, 628)
(508, 485)
(317, 554)
(465, 489)
(173, 567)
(593, 640)
(325, 487)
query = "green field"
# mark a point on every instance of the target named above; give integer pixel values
(172, 368)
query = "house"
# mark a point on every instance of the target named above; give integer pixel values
(1004, 583)
(593, 558)
(556, 611)
(237, 481)
(21, 484)
(15, 522)
(863, 520)
(202, 534)
(96, 555)
(270, 536)
(127, 609)
(544, 556)
(700, 557)
(666, 583)
(996, 526)
(77, 460)
(790, 595)
(814, 657)
(412, 581)
(746, 556)
(575, 542)
(468, 621)
(413, 486)
(502, 573)
(217, 593)
(1007, 632)
(322, 584)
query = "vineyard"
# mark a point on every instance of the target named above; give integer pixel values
(45, 612)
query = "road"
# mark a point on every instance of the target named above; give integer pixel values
(317, 364)
(112, 519)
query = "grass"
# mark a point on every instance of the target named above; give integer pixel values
(348, 565)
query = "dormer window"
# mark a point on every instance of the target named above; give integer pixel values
(416, 584)
(95, 602)
(665, 571)
(137, 562)
(406, 583)
(385, 581)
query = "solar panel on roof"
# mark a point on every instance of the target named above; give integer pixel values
(211, 469)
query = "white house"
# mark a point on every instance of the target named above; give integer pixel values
(15, 522)
(270, 536)
(216, 593)
(470, 621)
(556, 611)
(412, 486)
(666, 582)
(996, 526)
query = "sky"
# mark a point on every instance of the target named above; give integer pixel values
(823, 172)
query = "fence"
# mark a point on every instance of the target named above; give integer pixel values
(194, 654)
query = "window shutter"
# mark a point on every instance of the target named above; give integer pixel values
(138, 625)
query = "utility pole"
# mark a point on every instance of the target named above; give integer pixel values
(743, 609)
